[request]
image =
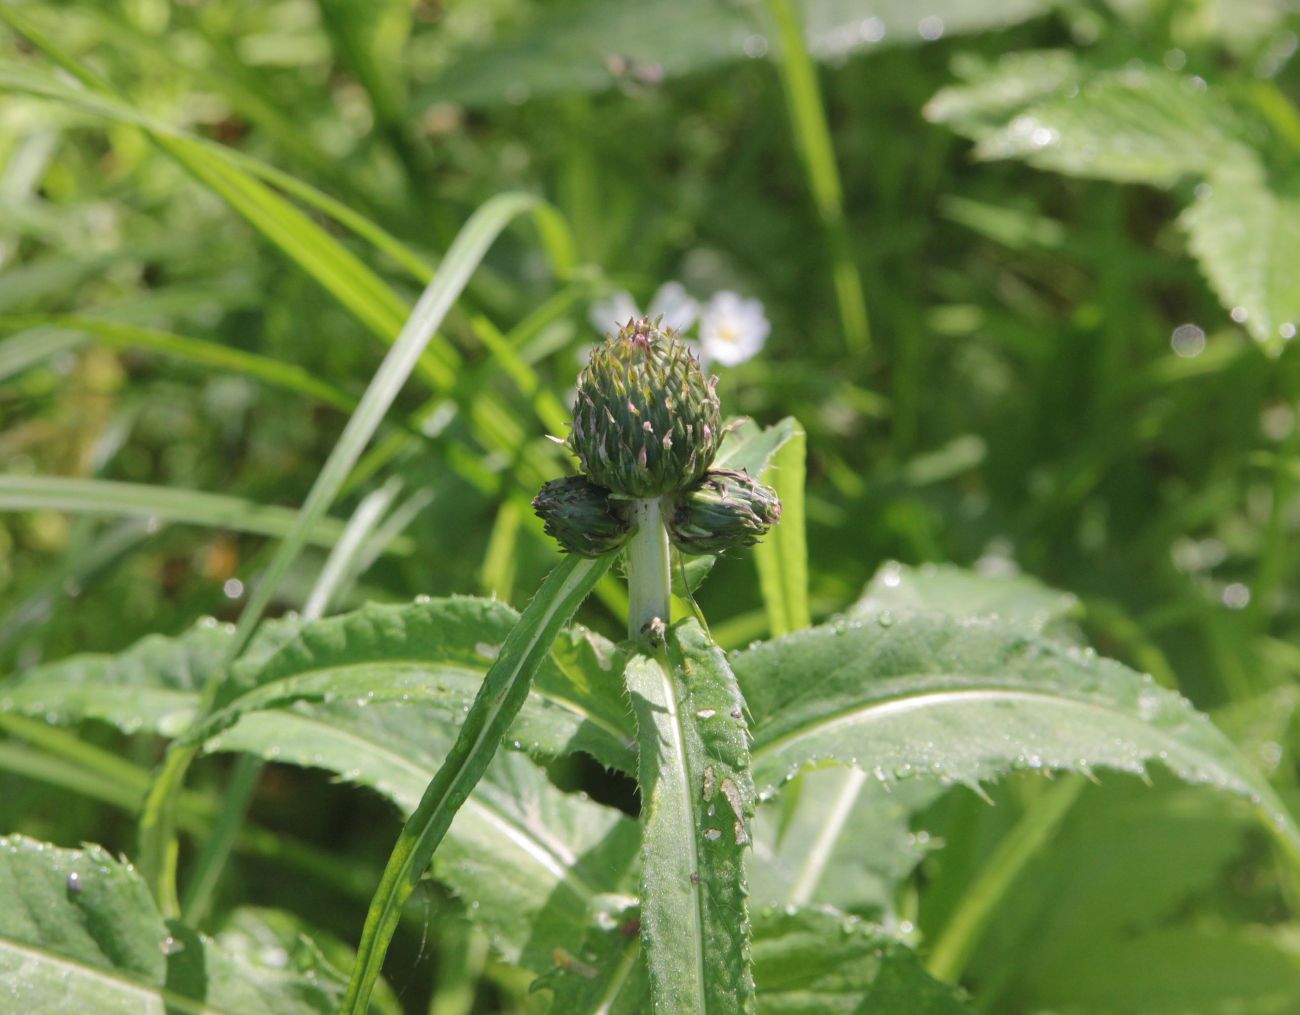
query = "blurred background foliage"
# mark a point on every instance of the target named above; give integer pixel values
(1078, 368)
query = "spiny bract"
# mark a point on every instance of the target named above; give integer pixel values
(646, 421)
(723, 511)
(582, 516)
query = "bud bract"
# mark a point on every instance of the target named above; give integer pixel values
(723, 511)
(646, 421)
(582, 517)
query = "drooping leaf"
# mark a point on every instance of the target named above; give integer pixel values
(820, 961)
(594, 46)
(529, 860)
(942, 588)
(966, 699)
(437, 651)
(79, 932)
(698, 802)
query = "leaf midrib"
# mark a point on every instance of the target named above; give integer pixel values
(548, 854)
(913, 701)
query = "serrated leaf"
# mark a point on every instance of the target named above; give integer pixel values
(438, 652)
(593, 46)
(1244, 228)
(943, 588)
(528, 860)
(1138, 124)
(697, 800)
(79, 932)
(820, 961)
(153, 686)
(964, 700)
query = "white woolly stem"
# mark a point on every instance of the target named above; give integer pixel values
(648, 581)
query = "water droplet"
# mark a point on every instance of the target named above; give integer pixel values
(707, 713)
(713, 834)
(930, 28)
(1187, 341)
(755, 47)
(233, 588)
(74, 882)
(171, 946)
(886, 619)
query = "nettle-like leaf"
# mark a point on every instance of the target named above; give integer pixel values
(821, 961)
(697, 799)
(1141, 124)
(530, 861)
(437, 651)
(434, 651)
(968, 699)
(151, 687)
(593, 46)
(79, 932)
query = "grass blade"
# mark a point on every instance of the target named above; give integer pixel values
(503, 692)
(698, 801)
(190, 507)
(782, 558)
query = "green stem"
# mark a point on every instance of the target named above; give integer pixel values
(649, 584)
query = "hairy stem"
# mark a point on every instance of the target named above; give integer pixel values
(648, 582)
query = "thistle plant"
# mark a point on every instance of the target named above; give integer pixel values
(646, 429)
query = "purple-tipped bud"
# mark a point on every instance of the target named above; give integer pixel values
(723, 511)
(582, 516)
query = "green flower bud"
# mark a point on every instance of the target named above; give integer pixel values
(582, 517)
(723, 511)
(646, 422)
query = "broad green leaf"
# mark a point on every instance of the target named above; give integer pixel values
(837, 837)
(1244, 228)
(529, 861)
(782, 557)
(80, 933)
(503, 692)
(697, 800)
(967, 699)
(606, 975)
(1138, 124)
(153, 686)
(593, 46)
(437, 652)
(819, 962)
(942, 588)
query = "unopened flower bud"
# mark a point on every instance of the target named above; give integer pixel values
(582, 517)
(723, 511)
(646, 421)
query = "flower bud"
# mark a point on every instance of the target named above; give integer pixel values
(723, 511)
(646, 422)
(582, 517)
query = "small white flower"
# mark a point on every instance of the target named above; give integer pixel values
(672, 301)
(732, 329)
(678, 307)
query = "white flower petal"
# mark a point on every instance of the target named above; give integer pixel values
(732, 329)
(678, 307)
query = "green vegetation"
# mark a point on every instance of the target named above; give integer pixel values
(1001, 298)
